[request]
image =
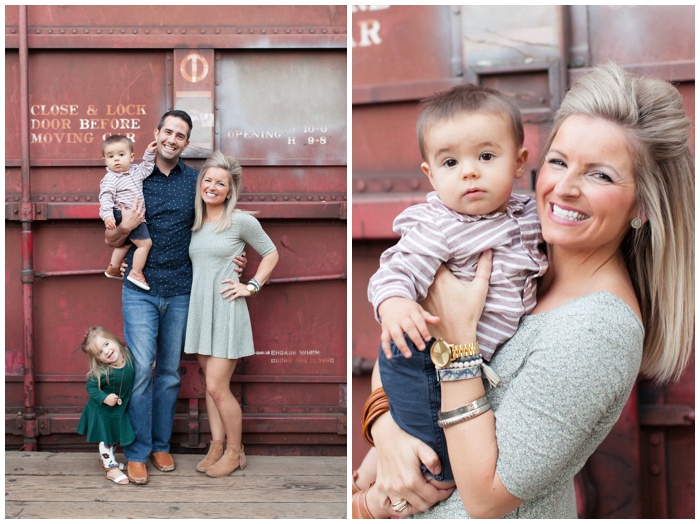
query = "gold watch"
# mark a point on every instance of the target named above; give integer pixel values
(253, 290)
(442, 353)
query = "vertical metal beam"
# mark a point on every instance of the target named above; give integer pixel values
(30, 429)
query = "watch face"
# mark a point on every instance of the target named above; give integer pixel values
(440, 353)
(251, 288)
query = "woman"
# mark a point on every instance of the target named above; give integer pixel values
(615, 198)
(219, 330)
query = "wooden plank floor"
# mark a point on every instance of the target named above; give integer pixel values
(71, 485)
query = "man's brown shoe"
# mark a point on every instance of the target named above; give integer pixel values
(163, 460)
(137, 472)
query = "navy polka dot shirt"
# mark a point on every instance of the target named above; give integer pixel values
(169, 216)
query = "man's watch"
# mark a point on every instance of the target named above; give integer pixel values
(442, 353)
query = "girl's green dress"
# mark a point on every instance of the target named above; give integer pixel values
(109, 424)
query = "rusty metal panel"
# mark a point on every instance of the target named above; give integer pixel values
(67, 126)
(386, 51)
(284, 108)
(293, 392)
(205, 26)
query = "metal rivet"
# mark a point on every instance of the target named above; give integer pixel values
(111, 31)
(263, 31)
(251, 31)
(300, 31)
(239, 31)
(147, 31)
(218, 31)
(262, 198)
(53, 198)
(361, 185)
(204, 31)
(274, 197)
(287, 31)
(333, 197)
(286, 197)
(50, 31)
(88, 199)
(309, 197)
(298, 197)
(99, 31)
(122, 31)
(336, 30)
(250, 198)
(276, 31)
(86, 31)
(312, 31)
(135, 31)
(38, 31)
(184, 31)
(41, 199)
(76, 198)
(169, 31)
(324, 30)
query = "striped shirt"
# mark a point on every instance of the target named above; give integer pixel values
(433, 234)
(116, 188)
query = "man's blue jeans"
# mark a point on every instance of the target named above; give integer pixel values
(154, 330)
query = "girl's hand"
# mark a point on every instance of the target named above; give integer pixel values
(399, 475)
(110, 223)
(459, 304)
(151, 148)
(234, 290)
(111, 399)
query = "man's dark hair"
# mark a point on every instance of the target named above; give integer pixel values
(179, 114)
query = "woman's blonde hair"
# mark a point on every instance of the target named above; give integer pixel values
(89, 346)
(233, 167)
(660, 254)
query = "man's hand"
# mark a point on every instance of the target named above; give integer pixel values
(241, 262)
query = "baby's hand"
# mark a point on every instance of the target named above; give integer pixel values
(110, 223)
(151, 147)
(111, 399)
(399, 316)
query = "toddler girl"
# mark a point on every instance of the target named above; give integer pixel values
(105, 419)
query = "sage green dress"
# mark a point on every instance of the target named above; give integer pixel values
(215, 326)
(109, 424)
(565, 377)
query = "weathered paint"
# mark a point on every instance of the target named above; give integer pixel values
(72, 77)
(402, 54)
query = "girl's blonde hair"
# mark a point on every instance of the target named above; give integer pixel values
(233, 167)
(660, 254)
(89, 346)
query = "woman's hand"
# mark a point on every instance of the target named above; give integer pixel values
(399, 475)
(233, 291)
(459, 304)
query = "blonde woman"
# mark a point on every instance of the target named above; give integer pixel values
(218, 329)
(615, 194)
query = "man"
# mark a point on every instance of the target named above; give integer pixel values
(155, 320)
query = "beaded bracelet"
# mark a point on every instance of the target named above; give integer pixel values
(458, 364)
(448, 374)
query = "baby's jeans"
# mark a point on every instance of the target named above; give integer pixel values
(412, 388)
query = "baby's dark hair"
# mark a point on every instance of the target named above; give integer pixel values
(113, 139)
(467, 98)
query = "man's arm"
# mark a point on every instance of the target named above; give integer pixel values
(131, 218)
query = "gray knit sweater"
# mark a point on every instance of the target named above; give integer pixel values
(565, 376)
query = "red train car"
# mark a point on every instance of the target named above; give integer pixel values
(266, 84)
(401, 54)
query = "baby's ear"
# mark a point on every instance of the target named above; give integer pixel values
(520, 162)
(426, 169)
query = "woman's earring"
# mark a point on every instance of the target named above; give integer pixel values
(636, 222)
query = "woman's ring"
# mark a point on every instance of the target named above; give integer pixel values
(400, 505)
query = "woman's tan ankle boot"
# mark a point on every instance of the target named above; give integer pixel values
(216, 451)
(230, 462)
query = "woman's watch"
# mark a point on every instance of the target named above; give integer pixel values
(253, 287)
(442, 353)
